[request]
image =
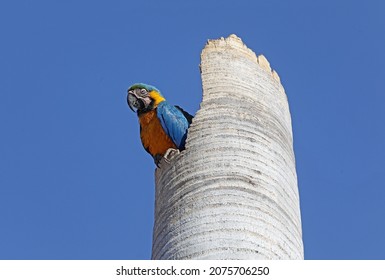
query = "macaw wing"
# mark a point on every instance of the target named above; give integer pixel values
(174, 123)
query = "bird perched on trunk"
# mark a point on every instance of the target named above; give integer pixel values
(163, 127)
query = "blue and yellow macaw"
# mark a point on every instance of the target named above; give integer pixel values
(163, 127)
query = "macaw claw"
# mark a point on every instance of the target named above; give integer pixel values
(170, 153)
(167, 157)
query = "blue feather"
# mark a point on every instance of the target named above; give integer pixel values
(174, 123)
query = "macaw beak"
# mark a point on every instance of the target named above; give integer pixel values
(136, 102)
(133, 102)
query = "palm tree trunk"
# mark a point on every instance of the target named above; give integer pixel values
(232, 194)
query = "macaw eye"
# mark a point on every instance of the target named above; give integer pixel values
(143, 91)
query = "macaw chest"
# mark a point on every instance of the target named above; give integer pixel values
(154, 138)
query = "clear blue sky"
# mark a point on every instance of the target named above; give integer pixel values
(75, 182)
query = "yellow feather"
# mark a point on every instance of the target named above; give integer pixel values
(156, 97)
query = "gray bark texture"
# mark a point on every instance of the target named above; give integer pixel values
(232, 194)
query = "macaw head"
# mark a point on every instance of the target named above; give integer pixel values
(143, 98)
